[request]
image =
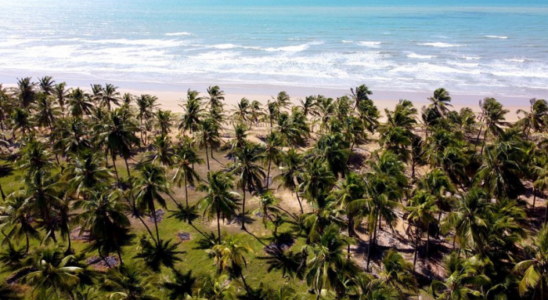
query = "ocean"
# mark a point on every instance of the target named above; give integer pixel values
(469, 47)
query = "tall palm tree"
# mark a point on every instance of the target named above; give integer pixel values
(79, 103)
(109, 96)
(161, 152)
(534, 269)
(185, 159)
(534, 119)
(20, 119)
(208, 137)
(193, 114)
(272, 154)
(45, 112)
(118, 135)
(164, 120)
(219, 200)
(46, 85)
(440, 101)
(327, 268)
(494, 116)
(242, 111)
(25, 91)
(290, 177)
(145, 106)
(309, 106)
(216, 96)
(85, 172)
(149, 187)
(421, 209)
(103, 215)
(248, 171)
(360, 94)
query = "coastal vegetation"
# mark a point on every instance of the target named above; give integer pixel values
(108, 196)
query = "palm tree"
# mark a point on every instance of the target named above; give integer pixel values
(145, 106)
(494, 116)
(398, 273)
(535, 118)
(208, 137)
(534, 270)
(421, 208)
(85, 172)
(25, 91)
(290, 178)
(20, 119)
(241, 112)
(50, 272)
(360, 94)
(149, 186)
(118, 135)
(79, 103)
(216, 97)
(103, 216)
(185, 159)
(17, 216)
(440, 101)
(193, 113)
(219, 200)
(332, 150)
(256, 112)
(326, 109)
(464, 280)
(352, 189)
(164, 121)
(468, 220)
(109, 96)
(267, 206)
(327, 268)
(162, 151)
(230, 255)
(129, 282)
(272, 153)
(45, 112)
(309, 106)
(46, 85)
(160, 254)
(249, 173)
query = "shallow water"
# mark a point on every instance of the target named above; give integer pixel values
(466, 46)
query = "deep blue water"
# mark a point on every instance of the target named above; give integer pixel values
(467, 46)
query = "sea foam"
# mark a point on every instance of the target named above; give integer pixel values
(439, 45)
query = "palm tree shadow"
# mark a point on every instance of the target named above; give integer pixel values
(239, 219)
(6, 170)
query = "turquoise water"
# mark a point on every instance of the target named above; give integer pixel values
(467, 46)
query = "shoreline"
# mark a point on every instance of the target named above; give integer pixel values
(170, 95)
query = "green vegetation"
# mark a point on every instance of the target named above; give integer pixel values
(106, 196)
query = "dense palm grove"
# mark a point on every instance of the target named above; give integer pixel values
(463, 192)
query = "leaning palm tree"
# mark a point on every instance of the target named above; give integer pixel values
(534, 270)
(248, 171)
(219, 200)
(185, 159)
(230, 255)
(535, 118)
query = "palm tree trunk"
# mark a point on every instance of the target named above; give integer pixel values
(371, 243)
(267, 179)
(416, 248)
(155, 221)
(534, 197)
(211, 152)
(114, 165)
(243, 209)
(299, 200)
(245, 283)
(119, 255)
(483, 143)
(428, 242)
(69, 249)
(207, 157)
(148, 229)
(219, 224)
(2, 193)
(546, 214)
(127, 168)
(186, 192)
